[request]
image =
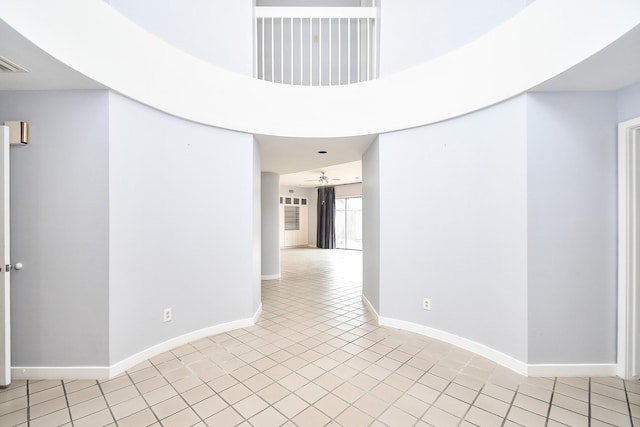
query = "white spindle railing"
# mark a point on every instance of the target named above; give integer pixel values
(315, 46)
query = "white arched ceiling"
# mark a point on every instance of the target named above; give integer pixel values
(542, 41)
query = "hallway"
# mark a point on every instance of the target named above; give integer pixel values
(316, 357)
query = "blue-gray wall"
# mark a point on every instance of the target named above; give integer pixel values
(118, 211)
(256, 228)
(270, 224)
(371, 224)
(507, 219)
(60, 228)
(453, 226)
(572, 227)
(629, 103)
(181, 235)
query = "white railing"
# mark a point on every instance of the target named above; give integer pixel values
(315, 46)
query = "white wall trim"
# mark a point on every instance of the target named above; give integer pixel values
(150, 352)
(522, 368)
(465, 343)
(107, 372)
(60, 372)
(5, 258)
(271, 276)
(257, 314)
(373, 311)
(627, 270)
(574, 370)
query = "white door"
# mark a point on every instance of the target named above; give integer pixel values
(5, 277)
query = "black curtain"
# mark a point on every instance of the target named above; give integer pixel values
(326, 235)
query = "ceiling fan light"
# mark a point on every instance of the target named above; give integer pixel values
(324, 180)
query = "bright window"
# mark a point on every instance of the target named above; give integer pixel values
(349, 223)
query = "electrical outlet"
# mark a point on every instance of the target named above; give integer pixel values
(426, 303)
(167, 315)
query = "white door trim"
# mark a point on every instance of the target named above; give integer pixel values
(5, 298)
(628, 246)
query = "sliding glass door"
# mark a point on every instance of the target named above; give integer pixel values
(349, 223)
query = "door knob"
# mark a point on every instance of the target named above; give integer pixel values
(18, 266)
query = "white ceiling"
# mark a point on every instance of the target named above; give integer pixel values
(44, 72)
(297, 160)
(614, 67)
(345, 173)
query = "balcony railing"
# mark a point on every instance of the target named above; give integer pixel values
(315, 46)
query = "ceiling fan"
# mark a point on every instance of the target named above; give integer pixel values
(323, 179)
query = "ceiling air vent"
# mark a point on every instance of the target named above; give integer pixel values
(7, 66)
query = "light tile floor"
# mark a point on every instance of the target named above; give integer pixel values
(316, 358)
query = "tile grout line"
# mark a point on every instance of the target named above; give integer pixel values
(66, 399)
(513, 399)
(178, 393)
(106, 402)
(553, 389)
(28, 405)
(589, 404)
(351, 405)
(443, 393)
(135, 385)
(330, 392)
(362, 371)
(373, 363)
(471, 405)
(253, 393)
(626, 395)
(69, 405)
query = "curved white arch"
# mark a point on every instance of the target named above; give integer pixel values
(545, 39)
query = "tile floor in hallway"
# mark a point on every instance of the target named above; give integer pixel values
(316, 357)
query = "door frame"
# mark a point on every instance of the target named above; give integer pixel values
(5, 332)
(628, 247)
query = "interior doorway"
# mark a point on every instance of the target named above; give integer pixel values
(629, 249)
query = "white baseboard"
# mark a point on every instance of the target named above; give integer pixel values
(150, 352)
(270, 276)
(257, 314)
(467, 344)
(59, 373)
(371, 309)
(107, 372)
(574, 370)
(522, 368)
